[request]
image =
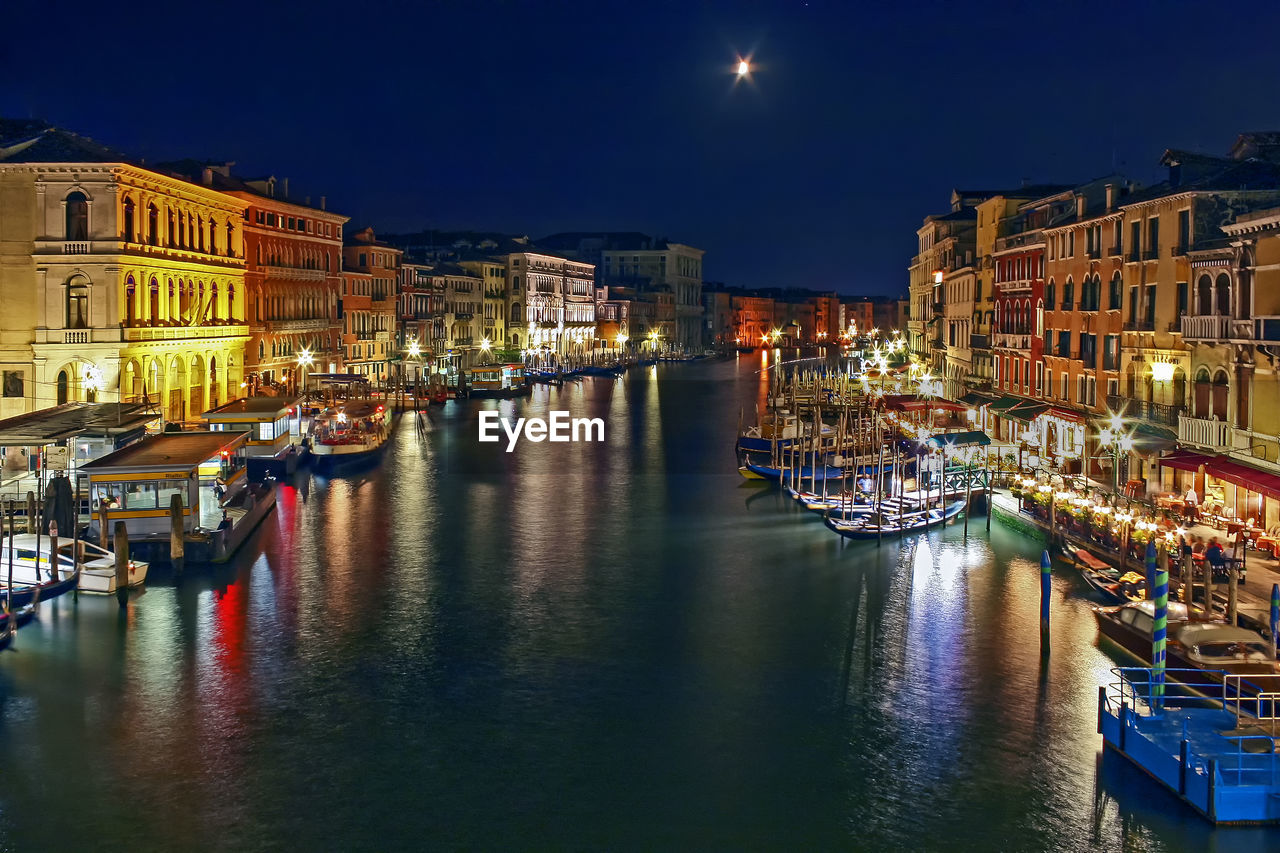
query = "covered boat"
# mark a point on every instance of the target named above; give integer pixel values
(874, 524)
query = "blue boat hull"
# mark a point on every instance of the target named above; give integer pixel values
(27, 594)
(824, 472)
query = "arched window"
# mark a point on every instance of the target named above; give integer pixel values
(77, 305)
(1220, 388)
(1222, 295)
(200, 233)
(63, 383)
(155, 302)
(231, 249)
(515, 312)
(1051, 294)
(130, 301)
(231, 302)
(153, 225)
(77, 216)
(1114, 302)
(128, 221)
(216, 312)
(1204, 296)
(172, 230)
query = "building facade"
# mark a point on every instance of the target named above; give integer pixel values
(117, 282)
(368, 308)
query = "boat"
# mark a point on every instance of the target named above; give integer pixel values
(96, 566)
(497, 380)
(874, 524)
(753, 471)
(611, 371)
(1200, 652)
(10, 622)
(356, 432)
(1114, 586)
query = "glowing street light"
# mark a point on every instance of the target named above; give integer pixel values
(744, 68)
(305, 360)
(414, 349)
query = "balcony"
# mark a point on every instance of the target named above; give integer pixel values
(1007, 340)
(463, 315)
(78, 248)
(1116, 251)
(1135, 255)
(1156, 413)
(979, 342)
(1094, 254)
(1018, 241)
(1180, 249)
(1204, 432)
(1205, 328)
(182, 333)
(1151, 254)
(293, 273)
(76, 336)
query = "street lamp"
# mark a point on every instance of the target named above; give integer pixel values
(1114, 439)
(305, 360)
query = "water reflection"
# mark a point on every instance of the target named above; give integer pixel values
(594, 645)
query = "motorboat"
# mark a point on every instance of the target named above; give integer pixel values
(1200, 652)
(874, 524)
(96, 566)
(349, 433)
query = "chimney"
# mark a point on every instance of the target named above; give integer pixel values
(286, 188)
(1111, 196)
(307, 201)
(1080, 206)
(207, 177)
(322, 200)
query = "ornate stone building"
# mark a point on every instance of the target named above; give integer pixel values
(117, 282)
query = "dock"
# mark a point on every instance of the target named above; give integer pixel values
(1216, 755)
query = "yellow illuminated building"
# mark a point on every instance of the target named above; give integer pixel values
(117, 282)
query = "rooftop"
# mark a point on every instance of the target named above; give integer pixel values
(72, 419)
(38, 141)
(168, 450)
(252, 406)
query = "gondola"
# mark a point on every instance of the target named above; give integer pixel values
(30, 593)
(1112, 585)
(11, 622)
(872, 525)
(753, 471)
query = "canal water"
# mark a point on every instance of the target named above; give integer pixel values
(616, 645)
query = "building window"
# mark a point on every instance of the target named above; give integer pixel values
(63, 383)
(77, 306)
(12, 384)
(77, 216)
(1113, 301)
(153, 225)
(128, 221)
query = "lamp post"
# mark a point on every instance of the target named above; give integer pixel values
(305, 360)
(485, 346)
(1114, 439)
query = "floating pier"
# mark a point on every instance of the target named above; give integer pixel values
(1216, 755)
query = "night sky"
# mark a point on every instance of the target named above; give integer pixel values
(541, 117)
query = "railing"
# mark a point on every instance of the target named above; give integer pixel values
(1116, 251)
(1017, 241)
(1205, 328)
(77, 337)
(1007, 340)
(1204, 432)
(1151, 254)
(75, 248)
(1014, 285)
(1135, 255)
(1180, 249)
(1094, 254)
(168, 333)
(1140, 326)
(1159, 413)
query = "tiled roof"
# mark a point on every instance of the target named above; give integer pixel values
(36, 141)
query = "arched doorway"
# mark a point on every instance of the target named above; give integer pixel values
(196, 394)
(130, 382)
(64, 383)
(177, 385)
(215, 390)
(1179, 382)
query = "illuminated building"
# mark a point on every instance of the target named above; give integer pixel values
(293, 272)
(117, 282)
(370, 270)
(552, 303)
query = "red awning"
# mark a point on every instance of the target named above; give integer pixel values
(1246, 476)
(1066, 414)
(1185, 460)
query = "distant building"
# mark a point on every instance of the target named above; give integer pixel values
(648, 265)
(370, 274)
(552, 303)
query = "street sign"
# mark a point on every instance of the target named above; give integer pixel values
(56, 458)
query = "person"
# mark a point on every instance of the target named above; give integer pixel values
(225, 524)
(1215, 558)
(219, 490)
(1191, 507)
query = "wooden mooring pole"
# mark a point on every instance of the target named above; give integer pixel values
(122, 564)
(177, 544)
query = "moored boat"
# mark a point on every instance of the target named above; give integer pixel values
(874, 524)
(92, 568)
(352, 433)
(1198, 653)
(752, 471)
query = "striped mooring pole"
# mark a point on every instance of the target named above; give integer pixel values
(1160, 630)
(1275, 618)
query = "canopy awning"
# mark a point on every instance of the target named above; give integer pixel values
(1008, 401)
(1026, 412)
(1185, 460)
(1245, 476)
(1067, 414)
(958, 439)
(973, 398)
(1149, 438)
